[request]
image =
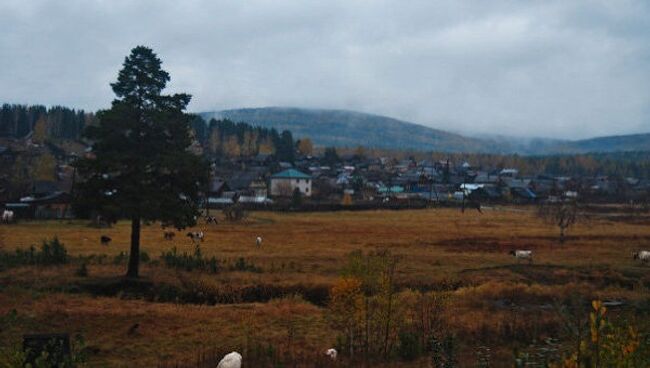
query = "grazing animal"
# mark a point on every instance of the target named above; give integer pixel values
(332, 353)
(105, 240)
(523, 254)
(7, 216)
(643, 256)
(196, 236)
(258, 241)
(133, 329)
(231, 360)
(169, 235)
(211, 220)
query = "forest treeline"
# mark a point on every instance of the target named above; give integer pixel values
(17, 121)
(622, 164)
(225, 138)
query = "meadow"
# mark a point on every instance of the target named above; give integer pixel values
(277, 296)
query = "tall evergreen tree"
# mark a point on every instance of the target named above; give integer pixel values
(141, 167)
(285, 149)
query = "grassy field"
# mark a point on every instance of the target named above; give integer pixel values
(464, 255)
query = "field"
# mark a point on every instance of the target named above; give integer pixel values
(279, 294)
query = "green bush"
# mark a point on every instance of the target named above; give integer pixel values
(409, 347)
(190, 262)
(52, 252)
(242, 265)
(120, 258)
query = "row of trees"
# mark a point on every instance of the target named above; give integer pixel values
(17, 121)
(622, 164)
(229, 139)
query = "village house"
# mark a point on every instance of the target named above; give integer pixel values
(284, 183)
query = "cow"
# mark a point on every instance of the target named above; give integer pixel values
(7, 216)
(211, 220)
(196, 236)
(522, 254)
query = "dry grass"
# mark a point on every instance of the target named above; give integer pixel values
(441, 248)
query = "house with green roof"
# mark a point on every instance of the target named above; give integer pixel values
(284, 183)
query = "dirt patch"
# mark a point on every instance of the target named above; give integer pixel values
(500, 245)
(496, 245)
(598, 277)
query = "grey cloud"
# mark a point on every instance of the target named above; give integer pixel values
(555, 68)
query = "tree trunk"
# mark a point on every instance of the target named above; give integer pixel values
(134, 255)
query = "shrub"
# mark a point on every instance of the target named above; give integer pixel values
(409, 345)
(82, 271)
(120, 258)
(144, 257)
(52, 355)
(52, 252)
(190, 262)
(242, 265)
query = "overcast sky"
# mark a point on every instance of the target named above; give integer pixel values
(569, 69)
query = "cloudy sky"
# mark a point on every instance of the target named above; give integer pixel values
(569, 69)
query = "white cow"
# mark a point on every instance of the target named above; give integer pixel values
(643, 256)
(332, 353)
(523, 254)
(258, 241)
(7, 216)
(231, 360)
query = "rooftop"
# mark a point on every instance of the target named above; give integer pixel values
(290, 174)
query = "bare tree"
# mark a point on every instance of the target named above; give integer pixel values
(562, 214)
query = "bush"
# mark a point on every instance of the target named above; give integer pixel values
(242, 265)
(120, 258)
(190, 262)
(144, 257)
(409, 346)
(52, 252)
(82, 271)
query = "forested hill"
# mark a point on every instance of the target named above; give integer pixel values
(17, 121)
(349, 128)
(616, 143)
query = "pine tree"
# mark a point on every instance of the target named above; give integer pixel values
(141, 167)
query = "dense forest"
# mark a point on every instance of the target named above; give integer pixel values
(17, 121)
(229, 139)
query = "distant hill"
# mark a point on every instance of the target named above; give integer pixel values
(351, 128)
(615, 143)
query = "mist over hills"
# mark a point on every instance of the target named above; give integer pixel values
(351, 128)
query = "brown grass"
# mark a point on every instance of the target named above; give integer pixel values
(441, 249)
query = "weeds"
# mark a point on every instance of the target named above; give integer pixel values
(190, 261)
(51, 252)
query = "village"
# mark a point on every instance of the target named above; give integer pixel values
(37, 181)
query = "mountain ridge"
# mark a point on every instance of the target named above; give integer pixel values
(335, 127)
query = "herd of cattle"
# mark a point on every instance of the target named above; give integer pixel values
(197, 237)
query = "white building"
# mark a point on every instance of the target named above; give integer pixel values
(285, 182)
